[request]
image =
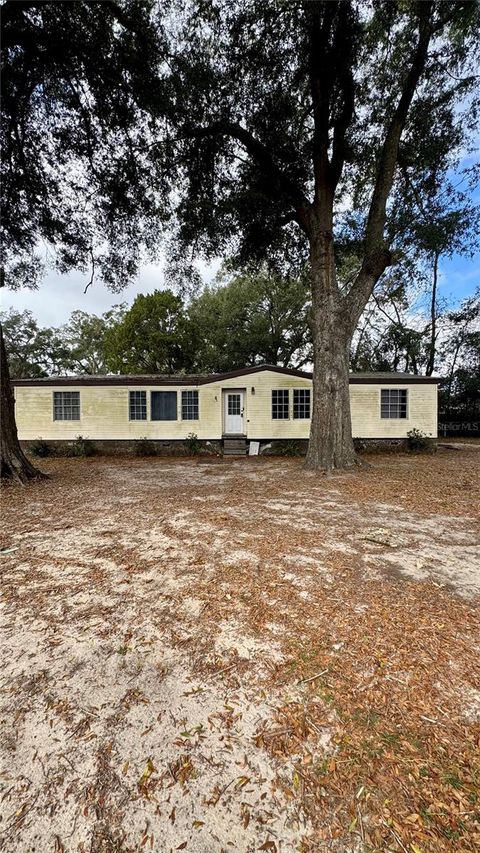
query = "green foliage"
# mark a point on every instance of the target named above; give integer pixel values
(144, 447)
(216, 142)
(252, 319)
(77, 347)
(83, 340)
(289, 447)
(74, 169)
(192, 444)
(40, 448)
(459, 397)
(153, 336)
(32, 351)
(81, 447)
(418, 441)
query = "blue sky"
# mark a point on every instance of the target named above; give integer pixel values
(459, 277)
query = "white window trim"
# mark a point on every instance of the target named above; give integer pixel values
(67, 420)
(407, 413)
(290, 399)
(185, 391)
(138, 391)
(299, 418)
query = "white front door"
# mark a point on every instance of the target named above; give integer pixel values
(234, 408)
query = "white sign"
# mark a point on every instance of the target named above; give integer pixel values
(253, 448)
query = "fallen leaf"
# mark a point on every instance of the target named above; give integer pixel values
(269, 845)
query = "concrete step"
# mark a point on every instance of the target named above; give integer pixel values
(234, 447)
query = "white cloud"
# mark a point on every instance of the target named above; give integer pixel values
(59, 295)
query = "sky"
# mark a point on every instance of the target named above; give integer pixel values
(59, 295)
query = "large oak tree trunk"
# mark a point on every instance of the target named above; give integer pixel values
(14, 463)
(331, 443)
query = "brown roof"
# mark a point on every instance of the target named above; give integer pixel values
(205, 379)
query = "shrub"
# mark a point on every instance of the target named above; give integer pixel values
(418, 441)
(144, 447)
(81, 447)
(192, 444)
(39, 447)
(289, 447)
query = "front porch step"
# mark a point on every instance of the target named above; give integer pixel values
(234, 447)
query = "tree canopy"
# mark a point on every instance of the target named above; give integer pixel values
(153, 337)
(286, 133)
(32, 351)
(205, 118)
(253, 319)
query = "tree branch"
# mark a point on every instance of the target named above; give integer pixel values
(322, 16)
(344, 47)
(281, 184)
(377, 253)
(92, 257)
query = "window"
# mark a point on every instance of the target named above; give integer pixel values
(66, 405)
(279, 405)
(138, 405)
(301, 402)
(394, 403)
(234, 404)
(164, 405)
(189, 405)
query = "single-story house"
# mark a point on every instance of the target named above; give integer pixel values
(263, 403)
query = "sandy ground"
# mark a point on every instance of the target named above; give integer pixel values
(242, 656)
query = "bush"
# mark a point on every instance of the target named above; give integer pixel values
(39, 447)
(289, 447)
(81, 447)
(192, 444)
(418, 441)
(144, 447)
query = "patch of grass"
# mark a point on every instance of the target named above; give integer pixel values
(390, 738)
(369, 718)
(327, 696)
(453, 780)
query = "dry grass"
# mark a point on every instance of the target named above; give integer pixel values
(242, 656)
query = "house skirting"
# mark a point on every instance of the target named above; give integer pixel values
(177, 447)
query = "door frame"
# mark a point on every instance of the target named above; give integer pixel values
(243, 401)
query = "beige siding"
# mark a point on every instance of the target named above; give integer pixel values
(421, 411)
(104, 412)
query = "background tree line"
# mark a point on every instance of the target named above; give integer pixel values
(250, 320)
(253, 319)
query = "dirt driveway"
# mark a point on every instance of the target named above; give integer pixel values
(242, 656)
